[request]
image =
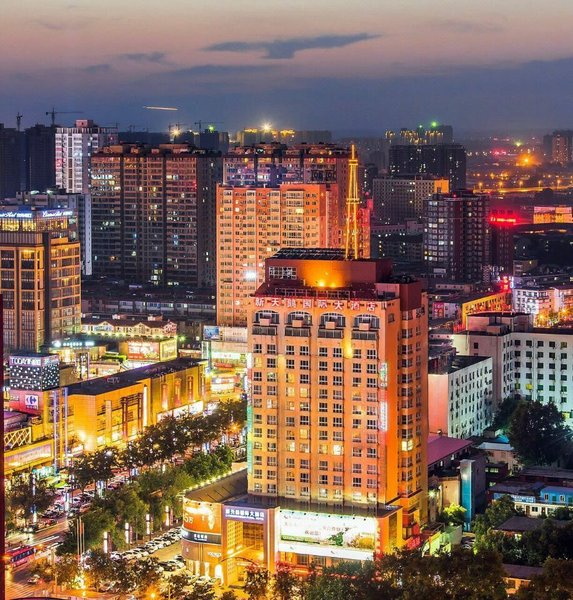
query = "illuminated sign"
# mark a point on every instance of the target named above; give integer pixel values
(328, 530)
(33, 361)
(142, 350)
(168, 349)
(245, 514)
(384, 416)
(56, 213)
(31, 401)
(503, 220)
(201, 522)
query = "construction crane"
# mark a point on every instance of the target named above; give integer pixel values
(55, 112)
(19, 116)
(200, 123)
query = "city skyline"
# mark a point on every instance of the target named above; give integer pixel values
(473, 67)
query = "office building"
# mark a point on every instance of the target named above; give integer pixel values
(255, 222)
(447, 161)
(40, 157)
(11, 161)
(398, 199)
(460, 395)
(74, 148)
(153, 214)
(457, 237)
(39, 277)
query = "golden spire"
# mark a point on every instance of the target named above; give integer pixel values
(352, 203)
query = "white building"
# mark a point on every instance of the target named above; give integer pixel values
(460, 396)
(535, 363)
(543, 302)
(74, 147)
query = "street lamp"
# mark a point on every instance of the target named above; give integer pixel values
(127, 533)
(105, 542)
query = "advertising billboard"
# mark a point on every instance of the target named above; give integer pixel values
(202, 521)
(168, 349)
(328, 530)
(211, 332)
(142, 350)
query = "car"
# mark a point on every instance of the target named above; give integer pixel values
(33, 579)
(169, 567)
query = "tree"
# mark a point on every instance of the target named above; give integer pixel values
(201, 590)
(176, 586)
(555, 583)
(99, 568)
(506, 410)
(453, 515)
(67, 569)
(26, 495)
(495, 514)
(284, 583)
(537, 433)
(229, 595)
(256, 583)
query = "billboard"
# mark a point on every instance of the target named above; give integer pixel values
(202, 521)
(211, 332)
(328, 530)
(168, 349)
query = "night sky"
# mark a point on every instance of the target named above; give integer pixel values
(358, 66)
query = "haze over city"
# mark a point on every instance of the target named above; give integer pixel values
(348, 66)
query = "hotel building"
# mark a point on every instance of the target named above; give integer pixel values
(337, 421)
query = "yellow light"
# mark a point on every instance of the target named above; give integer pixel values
(266, 127)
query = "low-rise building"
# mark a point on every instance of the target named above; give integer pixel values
(115, 409)
(547, 304)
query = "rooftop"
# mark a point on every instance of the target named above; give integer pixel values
(455, 363)
(232, 486)
(310, 253)
(101, 385)
(522, 571)
(441, 447)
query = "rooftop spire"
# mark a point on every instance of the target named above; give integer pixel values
(352, 203)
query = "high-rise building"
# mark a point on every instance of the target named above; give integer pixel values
(398, 199)
(263, 135)
(255, 222)
(40, 157)
(338, 411)
(80, 204)
(153, 214)
(74, 148)
(457, 236)
(11, 161)
(39, 277)
(562, 147)
(442, 160)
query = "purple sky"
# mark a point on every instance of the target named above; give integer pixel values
(362, 65)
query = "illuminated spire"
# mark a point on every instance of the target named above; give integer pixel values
(352, 203)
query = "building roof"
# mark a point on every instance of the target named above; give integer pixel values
(232, 486)
(455, 363)
(557, 489)
(553, 473)
(522, 571)
(152, 324)
(101, 385)
(310, 253)
(521, 524)
(517, 487)
(442, 446)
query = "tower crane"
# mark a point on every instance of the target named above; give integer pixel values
(55, 112)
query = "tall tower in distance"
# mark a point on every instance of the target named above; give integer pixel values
(352, 204)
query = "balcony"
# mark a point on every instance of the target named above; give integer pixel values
(364, 335)
(297, 331)
(264, 330)
(336, 334)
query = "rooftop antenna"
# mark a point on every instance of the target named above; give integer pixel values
(352, 203)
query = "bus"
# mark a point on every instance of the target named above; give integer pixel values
(19, 556)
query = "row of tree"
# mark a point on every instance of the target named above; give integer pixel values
(148, 494)
(160, 443)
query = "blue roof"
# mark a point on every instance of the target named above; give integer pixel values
(557, 489)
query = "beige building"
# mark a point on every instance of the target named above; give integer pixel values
(40, 279)
(255, 222)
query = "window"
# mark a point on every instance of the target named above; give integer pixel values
(337, 421)
(357, 353)
(322, 351)
(371, 354)
(337, 352)
(357, 482)
(289, 350)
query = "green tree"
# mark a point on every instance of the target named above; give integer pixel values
(67, 569)
(538, 433)
(99, 567)
(176, 586)
(453, 515)
(495, 514)
(505, 412)
(257, 582)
